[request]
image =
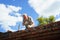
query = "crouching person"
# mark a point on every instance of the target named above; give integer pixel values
(27, 21)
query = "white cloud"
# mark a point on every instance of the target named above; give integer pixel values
(13, 8)
(17, 14)
(7, 20)
(45, 7)
(58, 19)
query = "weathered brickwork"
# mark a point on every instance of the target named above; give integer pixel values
(47, 32)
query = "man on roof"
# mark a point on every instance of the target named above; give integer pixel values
(27, 21)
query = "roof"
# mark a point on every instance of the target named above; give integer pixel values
(47, 32)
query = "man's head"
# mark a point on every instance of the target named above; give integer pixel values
(24, 14)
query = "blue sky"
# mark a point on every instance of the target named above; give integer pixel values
(25, 9)
(11, 11)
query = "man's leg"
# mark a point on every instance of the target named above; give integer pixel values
(32, 26)
(26, 28)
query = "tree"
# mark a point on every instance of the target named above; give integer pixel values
(51, 19)
(40, 19)
(43, 21)
(47, 20)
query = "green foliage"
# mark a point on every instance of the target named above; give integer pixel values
(43, 21)
(51, 19)
(47, 20)
(40, 19)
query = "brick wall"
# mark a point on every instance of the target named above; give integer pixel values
(47, 32)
